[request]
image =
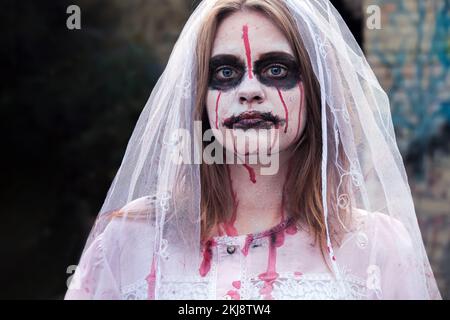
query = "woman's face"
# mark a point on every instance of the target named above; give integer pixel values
(255, 91)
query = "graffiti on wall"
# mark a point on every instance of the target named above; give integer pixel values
(411, 56)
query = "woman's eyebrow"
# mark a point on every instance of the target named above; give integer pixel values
(222, 59)
(275, 55)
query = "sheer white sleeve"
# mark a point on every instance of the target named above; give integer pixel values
(94, 277)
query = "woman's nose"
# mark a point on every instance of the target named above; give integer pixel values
(250, 91)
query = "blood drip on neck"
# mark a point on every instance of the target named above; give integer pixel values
(251, 173)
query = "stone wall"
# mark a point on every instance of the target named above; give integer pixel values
(410, 55)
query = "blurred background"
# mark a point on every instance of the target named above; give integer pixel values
(70, 99)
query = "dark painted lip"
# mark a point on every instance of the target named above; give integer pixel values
(255, 123)
(253, 120)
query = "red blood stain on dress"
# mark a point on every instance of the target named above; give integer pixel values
(236, 284)
(234, 295)
(248, 242)
(207, 256)
(269, 277)
(151, 280)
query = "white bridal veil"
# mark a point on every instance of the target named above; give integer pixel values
(160, 199)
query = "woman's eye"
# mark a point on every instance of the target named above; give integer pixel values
(276, 71)
(225, 73)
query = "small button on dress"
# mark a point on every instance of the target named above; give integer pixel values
(231, 249)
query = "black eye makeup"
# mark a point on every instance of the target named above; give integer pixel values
(225, 72)
(277, 69)
(274, 69)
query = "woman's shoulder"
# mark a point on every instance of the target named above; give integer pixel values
(378, 223)
(132, 226)
(375, 228)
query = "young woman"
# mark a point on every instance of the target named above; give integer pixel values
(328, 216)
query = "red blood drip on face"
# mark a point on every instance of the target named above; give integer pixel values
(151, 280)
(285, 110)
(207, 256)
(272, 143)
(300, 111)
(247, 50)
(251, 173)
(248, 241)
(217, 110)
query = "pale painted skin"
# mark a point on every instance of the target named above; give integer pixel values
(259, 204)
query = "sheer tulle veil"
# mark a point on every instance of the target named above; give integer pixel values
(358, 143)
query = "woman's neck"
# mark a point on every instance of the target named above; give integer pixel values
(258, 198)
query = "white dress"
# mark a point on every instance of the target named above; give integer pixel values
(280, 263)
